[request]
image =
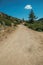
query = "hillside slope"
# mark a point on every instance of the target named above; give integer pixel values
(8, 20)
(22, 47)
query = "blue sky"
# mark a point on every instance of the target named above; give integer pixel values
(16, 8)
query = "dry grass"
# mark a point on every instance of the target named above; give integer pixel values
(5, 32)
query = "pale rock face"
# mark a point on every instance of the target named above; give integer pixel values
(12, 24)
(1, 14)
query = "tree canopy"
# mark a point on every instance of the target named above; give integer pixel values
(32, 16)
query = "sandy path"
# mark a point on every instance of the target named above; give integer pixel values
(22, 47)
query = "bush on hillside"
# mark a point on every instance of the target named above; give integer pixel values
(38, 26)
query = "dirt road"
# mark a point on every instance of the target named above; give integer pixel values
(22, 47)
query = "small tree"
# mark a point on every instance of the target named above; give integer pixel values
(32, 16)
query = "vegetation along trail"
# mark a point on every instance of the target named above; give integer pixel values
(22, 47)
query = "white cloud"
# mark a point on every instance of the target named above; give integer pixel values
(28, 7)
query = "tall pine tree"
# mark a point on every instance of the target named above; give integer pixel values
(32, 16)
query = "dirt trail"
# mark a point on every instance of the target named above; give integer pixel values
(22, 47)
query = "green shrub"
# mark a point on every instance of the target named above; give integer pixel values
(38, 26)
